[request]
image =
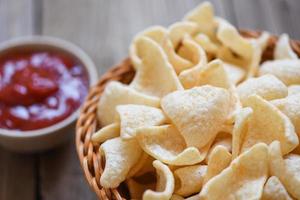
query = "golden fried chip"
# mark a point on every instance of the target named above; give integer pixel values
(136, 189)
(156, 33)
(198, 113)
(120, 157)
(286, 169)
(234, 73)
(268, 124)
(290, 106)
(274, 190)
(189, 77)
(106, 133)
(189, 179)
(240, 130)
(166, 144)
(288, 71)
(165, 183)
(283, 49)
(223, 139)
(136, 116)
(294, 89)
(155, 76)
(219, 159)
(138, 167)
(243, 179)
(226, 55)
(179, 30)
(205, 42)
(268, 87)
(116, 93)
(230, 37)
(203, 15)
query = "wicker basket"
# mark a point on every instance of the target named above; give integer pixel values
(91, 161)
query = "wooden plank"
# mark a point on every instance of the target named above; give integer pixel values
(17, 172)
(255, 15)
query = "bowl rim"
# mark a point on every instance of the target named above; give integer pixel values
(64, 46)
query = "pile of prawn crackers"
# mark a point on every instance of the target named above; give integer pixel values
(204, 117)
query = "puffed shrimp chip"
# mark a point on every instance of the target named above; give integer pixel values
(166, 144)
(136, 116)
(219, 159)
(268, 87)
(274, 190)
(165, 183)
(116, 93)
(189, 179)
(178, 197)
(290, 106)
(230, 37)
(179, 30)
(205, 42)
(288, 71)
(235, 73)
(240, 129)
(136, 189)
(108, 132)
(243, 179)
(198, 113)
(156, 33)
(120, 157)
(190, 77)
(287, 169)
(294, 89)
(268, 124)
(283, 49)
(155, 76)
(203, 15)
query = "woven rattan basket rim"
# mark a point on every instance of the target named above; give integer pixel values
(87, 124)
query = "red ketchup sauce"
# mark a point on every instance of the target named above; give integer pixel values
(39, 89)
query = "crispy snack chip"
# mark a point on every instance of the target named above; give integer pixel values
(234, 183)
(268, 87)
(198, 113)
(219, 159)
(288, 71)
(155, 76)
(133, 117)
(115, 94)
(120, 157)
(230, 37)
(274, 190)
(286, 169)
(294, 89)
(165, 183)
(283, 49)
(240, 129)
(234, 73)
(166, 144)
(156, 33)
(203, 15)
(106, 133)
(268, 124)
(137, 189)
(290, 106)
(206, 43)
(189, 179)
(190, 77)
(179, 30)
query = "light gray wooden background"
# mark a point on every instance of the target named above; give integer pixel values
(104, 29)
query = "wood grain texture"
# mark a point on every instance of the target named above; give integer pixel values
(17, 172)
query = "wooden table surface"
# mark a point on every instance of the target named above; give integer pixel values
(104, 30)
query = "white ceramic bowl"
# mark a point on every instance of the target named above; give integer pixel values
(45, 138)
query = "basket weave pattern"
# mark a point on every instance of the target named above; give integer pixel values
(90, 160)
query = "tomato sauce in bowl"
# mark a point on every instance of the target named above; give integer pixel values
(39, 89)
